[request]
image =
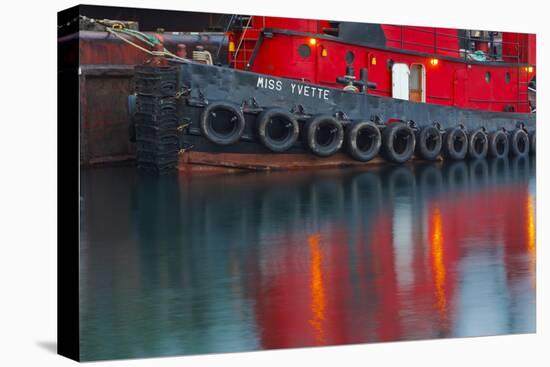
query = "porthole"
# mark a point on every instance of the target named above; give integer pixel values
(507, 77)
(304, 50)
(350, 57)
(488, 77)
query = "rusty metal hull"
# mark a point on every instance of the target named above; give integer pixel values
(103, 113)
(105, 73)
(195, 162)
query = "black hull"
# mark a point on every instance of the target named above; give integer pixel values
(199, 85)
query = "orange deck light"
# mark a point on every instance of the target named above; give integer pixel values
(324, 52)
(373, 60)
(231, 46)
(434, 62)
(312, 41)
(529, 69)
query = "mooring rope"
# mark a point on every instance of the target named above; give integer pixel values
(165, 52)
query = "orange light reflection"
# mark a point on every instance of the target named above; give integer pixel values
(318, 301)
(531, 237)
(438, 265)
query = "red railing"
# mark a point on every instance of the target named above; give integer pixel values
(433, 47)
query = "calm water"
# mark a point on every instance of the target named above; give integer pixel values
(174, 265)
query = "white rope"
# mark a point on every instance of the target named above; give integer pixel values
(129, 42)
(153, 53)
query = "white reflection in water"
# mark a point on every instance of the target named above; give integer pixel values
(483, 303)
(403, 243)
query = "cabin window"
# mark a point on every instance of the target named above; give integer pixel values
(488, 77)
(304, 50)
(507, 77)
(416, 83)
(350, 57)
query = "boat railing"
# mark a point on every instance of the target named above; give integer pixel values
(467, 52)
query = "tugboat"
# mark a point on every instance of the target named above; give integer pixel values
(298, 93)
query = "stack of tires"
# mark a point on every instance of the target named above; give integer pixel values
(156, 119)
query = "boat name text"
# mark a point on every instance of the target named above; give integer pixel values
(295, 88)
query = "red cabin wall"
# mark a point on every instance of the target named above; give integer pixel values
(450, 82)
(279, 56)
(437, 41)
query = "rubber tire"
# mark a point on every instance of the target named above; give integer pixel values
(449, 138)
(515, 137)
(533, 142)
(350, 141)
(214, 137)
(388, 136)
(421, 148)
(270, 143)
(494, 139)
(473, 137)
(311, 128)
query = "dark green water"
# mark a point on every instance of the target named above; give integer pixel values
(174, 265)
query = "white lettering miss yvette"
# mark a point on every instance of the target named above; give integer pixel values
(295, 88)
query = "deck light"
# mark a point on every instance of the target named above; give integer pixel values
(312, 41)
(324, 52)
(529, 69)
(231, 46)
(434, 62)
(373, 60)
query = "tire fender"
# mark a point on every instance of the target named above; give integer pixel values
(498, 144)
(331, 126)
(533, 142)
(390, 135)
(478, 144)
(354, 131)
(519, 143)
(237, 118)
(425, 138)
(277, 145)
(450, 149)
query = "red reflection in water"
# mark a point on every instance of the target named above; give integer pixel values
(385, 290)
(353, 294)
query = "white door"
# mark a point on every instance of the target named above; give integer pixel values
(400, 81)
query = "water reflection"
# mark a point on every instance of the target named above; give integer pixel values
(174, 265)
